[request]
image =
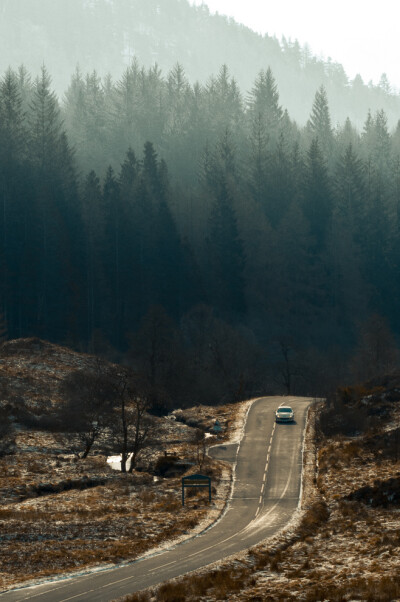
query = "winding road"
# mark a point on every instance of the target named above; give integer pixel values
(265, 494)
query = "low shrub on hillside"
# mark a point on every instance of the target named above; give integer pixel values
(382, 493)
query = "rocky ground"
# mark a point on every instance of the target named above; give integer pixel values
(59, 513)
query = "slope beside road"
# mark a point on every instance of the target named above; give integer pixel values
(265, 494)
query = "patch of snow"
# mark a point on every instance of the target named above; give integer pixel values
(115, 462)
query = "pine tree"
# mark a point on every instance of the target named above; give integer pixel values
(12, 121)
(226, 258)
(350, 189)
(178, 91)
(281, 187)
(316, 194)
(94, 220)
(114, 261)
(128, 176)
(264, 104)
(45, 125)
(128, 107)
(319, 123)
(225, 105)
(54, 188)
(260, 159)
(13, 140)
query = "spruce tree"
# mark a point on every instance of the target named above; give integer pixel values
(319, 124)
(263, 103)
(317, 205)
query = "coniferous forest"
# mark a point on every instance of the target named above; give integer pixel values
(198, 233)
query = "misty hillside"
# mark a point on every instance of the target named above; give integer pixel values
(195, 232)
(105, 35)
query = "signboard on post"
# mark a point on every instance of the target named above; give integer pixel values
(196, 480)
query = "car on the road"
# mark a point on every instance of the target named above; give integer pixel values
(284, 414)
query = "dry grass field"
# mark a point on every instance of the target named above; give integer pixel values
(60, 513)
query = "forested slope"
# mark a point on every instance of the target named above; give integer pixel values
(105, 35)
(221, 242)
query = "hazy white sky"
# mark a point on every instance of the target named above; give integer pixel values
(363, 35)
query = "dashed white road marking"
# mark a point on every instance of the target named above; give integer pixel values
(265, 470)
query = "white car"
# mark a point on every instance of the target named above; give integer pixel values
(284, 414)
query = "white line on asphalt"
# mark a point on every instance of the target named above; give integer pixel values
(78, 595)
(161, 567)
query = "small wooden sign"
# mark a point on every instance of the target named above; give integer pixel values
(196, 480)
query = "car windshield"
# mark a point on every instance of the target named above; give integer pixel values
(285, 410)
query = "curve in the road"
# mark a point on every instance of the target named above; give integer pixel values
(265, 494)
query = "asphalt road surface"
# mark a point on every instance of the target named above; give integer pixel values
(265, 495)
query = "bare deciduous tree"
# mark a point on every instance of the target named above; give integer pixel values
(287, 369)
(88, 404)
(199, 442)
(132, 426)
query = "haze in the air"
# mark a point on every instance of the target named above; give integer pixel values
(361, 35)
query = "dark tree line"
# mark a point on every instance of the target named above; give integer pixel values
(197, 233)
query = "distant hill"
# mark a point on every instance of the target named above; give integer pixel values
(106, 34)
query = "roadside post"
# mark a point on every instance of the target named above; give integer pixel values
(196, 480)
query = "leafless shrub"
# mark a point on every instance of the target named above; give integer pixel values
(275, 560)
(138, 597)
(317, 515)
(338, 418)
(351, 510)
(382, 493)
(172, 592)
(221, 584)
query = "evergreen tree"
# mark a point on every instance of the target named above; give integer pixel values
(226, 256)
(94, 220)
(263, 103)
(54, 186)
(319, 124)
(224, 246)
(12, 193)
(350, 190)
(128, 108)
(114, 261)
(316, 194)
(225, 105)
(260, 159)
(45, 125)
(12, 121)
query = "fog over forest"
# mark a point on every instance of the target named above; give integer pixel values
(105, 35)
(225, 222)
